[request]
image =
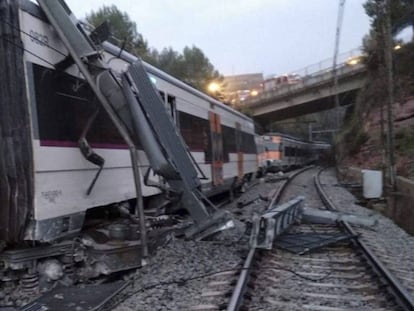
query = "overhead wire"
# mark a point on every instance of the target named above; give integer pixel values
(22, 46)
(31, 53)
(32, 37)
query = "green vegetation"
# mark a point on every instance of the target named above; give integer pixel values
(365, 128)
(401, 14)
(190, 66)
(122, 27)
(353, 134)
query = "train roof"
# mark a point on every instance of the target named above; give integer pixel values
(113, 49)
(35, 10)
(295, 138)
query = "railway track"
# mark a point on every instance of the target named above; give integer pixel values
(220, 287)
(225, 275)
(385, 250)
(347, 275)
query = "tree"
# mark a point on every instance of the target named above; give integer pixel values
(122, 27)
(191, 66)
(403, 16)
(171, 62)
(199, 72)
(402, 12)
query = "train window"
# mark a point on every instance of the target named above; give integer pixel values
(248, 145)
(272, 146)
(239, 138)
(196, 133)
(245, 142)
(289, 152)
(64, 104)
(229, 142)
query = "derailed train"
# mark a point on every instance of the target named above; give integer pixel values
(50, 187)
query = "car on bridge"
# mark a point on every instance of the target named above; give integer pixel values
(277, 82)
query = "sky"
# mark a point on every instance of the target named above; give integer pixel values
(244, 36)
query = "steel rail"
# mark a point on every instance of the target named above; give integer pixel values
(400, 293)
(236, 300)
(278, 194)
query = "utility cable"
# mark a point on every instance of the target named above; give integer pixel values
(43, 43)
(182, 281)
(32, 37)
(29, 52)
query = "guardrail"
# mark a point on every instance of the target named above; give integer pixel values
(305, 82)
(327, 64)
(312, 75)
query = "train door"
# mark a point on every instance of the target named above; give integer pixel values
(217, 149)
(276, 148)
(240, 156)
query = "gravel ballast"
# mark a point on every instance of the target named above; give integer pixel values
(392, 242)
(177, 274)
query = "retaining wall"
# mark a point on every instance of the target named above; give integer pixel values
(400, 204)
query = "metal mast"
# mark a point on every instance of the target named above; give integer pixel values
(390, 91)
(335, 59)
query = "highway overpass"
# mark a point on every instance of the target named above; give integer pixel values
(312, 93)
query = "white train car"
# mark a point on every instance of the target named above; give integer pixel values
(55, 106)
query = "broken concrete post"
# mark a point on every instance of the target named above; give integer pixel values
(313, 215)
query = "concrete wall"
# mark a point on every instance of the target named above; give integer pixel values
(400, 204)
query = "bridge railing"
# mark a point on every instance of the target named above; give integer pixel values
(313, 75)
(327, 64)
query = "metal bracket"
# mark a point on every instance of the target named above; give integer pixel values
(273, 223)
(88, 153)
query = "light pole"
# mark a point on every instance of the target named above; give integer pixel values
(335, 59)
